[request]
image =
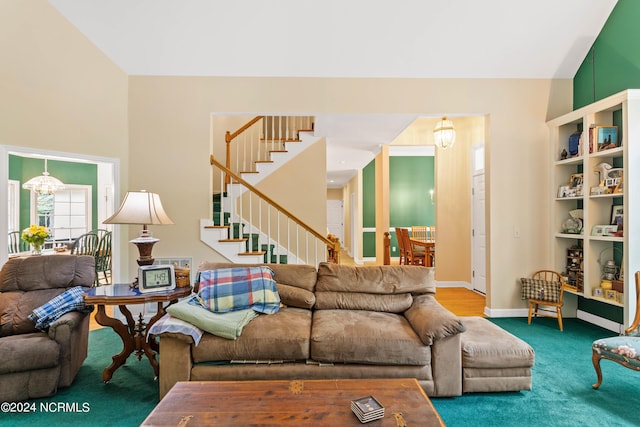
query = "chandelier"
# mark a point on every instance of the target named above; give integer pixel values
(444, 134)
(44, 184)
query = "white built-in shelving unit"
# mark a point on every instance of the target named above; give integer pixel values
(623, 110)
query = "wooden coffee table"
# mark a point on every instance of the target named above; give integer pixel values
(298, 402)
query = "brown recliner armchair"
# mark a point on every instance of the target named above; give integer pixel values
(35, 363)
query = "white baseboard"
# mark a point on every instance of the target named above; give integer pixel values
(506, 312)
(452, 284)
(600, 321)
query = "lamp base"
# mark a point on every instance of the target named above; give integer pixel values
(145, 246)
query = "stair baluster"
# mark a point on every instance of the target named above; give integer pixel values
(279, 247)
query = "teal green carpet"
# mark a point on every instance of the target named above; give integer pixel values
(561, 395)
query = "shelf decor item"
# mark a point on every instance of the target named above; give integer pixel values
(602, 138)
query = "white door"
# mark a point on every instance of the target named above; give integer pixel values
(478, 275)
(335, 221)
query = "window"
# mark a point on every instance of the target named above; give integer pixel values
(14, 205)
(67, 213)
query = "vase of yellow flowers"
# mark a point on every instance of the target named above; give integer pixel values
(35, 235)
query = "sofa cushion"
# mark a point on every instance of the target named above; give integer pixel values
(15, 308)
(280, 336)
(47, 272)
(295, 297)
(388, 279)
(298, 275)
(28, 352)
(360, 301)
(365, 337)
(486, 345)
(231, 289)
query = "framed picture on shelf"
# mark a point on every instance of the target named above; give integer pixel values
(566, 191)
(575, 179)
(604, 230)
(617, 214)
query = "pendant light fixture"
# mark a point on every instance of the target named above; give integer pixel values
(444, 134)
(44, 184)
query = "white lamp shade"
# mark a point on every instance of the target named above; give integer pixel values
(444, 134)
(140, 207)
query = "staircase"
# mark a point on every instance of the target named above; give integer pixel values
(247, 226)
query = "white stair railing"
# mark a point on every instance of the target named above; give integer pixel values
(257, 139)
(273, 226)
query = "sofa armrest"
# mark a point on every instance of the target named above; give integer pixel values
(431, 321)
(61, 329)
(175, 360)
(446, 366)
(71, 332)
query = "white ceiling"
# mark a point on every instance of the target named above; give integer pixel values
(344, 38)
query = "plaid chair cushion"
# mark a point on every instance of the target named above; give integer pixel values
(69, 300)
(239, 288)
(540, 289)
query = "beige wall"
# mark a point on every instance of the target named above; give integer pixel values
(335, 193)
(58, 93)
(169, 129)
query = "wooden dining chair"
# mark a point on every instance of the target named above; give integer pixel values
(103, 259)
(431, 236)
(401, 250)
(413, 255)
(86, 244)
(16, 244)
(431, 232)
(419, 232)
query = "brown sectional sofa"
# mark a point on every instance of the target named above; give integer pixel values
(336, 322)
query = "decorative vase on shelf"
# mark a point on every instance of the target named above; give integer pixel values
(36, 249)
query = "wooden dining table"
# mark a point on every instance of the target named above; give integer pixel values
(429, 248)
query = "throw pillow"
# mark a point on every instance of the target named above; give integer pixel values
(69, 300)
(240, 288)
(540, 289)
(295, 297)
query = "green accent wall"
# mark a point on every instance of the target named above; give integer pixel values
(613, 63)
(369, 195)
(24, 168)
(410, 180)
(611, 66)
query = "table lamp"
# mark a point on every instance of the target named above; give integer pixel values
(141, 207)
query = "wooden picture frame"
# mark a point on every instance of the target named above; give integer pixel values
(617, 214)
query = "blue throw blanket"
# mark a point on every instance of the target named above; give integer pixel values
(69, 300)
